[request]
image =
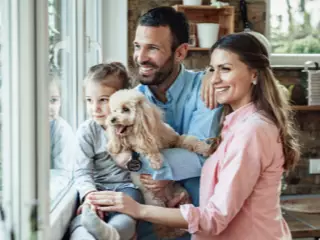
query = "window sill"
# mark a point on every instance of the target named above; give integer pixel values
(62, 214)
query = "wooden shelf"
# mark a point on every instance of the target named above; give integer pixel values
(224, 16)
(306, 108)
(199, 49)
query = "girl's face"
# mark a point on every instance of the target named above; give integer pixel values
(231, 78)
(54, 102)
(97, 98)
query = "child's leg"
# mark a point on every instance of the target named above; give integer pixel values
(125, 225)
(95, 226)
(78, 232)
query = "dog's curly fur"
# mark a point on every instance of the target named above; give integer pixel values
(135, 124)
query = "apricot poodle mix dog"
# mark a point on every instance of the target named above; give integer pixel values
(135, 124)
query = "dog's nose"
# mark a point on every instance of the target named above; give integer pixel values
(113, 120)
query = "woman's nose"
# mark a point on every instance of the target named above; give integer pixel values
(215, 78)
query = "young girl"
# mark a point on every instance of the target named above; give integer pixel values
(95, 169)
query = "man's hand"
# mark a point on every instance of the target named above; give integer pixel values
(154, 186)
(207, 92)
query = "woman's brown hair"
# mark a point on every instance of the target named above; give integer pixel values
(266, 95)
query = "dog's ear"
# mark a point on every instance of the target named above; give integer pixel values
(148, 119)
(114, 144)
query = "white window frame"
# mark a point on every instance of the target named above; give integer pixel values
(287, 59)
(24, 118)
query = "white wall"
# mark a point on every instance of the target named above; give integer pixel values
(115, 30)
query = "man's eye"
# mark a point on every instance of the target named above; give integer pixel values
(88, 100)
(125, 109)
(136, 46)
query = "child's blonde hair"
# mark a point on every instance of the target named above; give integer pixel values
(100, 72)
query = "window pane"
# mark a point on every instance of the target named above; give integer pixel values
(61, 96)
(295, 26)
(0, 102)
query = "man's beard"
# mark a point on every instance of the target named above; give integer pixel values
(159, 76)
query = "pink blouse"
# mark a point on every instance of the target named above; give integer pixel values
(240, 183)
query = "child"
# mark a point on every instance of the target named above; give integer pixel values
(95, 169)
(61, 134)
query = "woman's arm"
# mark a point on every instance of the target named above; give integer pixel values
(165, 216)
(118, 202)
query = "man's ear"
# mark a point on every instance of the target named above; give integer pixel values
(181, 52)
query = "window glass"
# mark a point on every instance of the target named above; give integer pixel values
(295, 26)
(61, 103)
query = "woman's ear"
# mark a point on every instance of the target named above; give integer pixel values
(254, 75)
(181, 52)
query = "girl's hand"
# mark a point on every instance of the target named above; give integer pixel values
(109, 201)
(154, 186)
(207, 92)
(94, 208)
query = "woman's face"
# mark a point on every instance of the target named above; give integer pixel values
(231, 78)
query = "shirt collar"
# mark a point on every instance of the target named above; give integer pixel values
(240, 114)
(174, 90)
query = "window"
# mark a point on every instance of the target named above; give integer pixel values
(294, 31)
(46, 48)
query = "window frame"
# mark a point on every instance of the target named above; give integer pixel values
(287, 59)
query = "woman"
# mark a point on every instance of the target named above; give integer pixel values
(241, 181)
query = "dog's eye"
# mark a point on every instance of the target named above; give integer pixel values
(125, 109)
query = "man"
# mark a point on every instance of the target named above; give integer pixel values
(160, 46)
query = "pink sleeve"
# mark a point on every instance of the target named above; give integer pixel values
(238, 174)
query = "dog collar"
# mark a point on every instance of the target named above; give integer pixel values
(134, 164)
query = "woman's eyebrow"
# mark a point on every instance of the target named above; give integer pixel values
(223, 64)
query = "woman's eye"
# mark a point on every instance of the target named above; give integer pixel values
(225, 69)
(125, 109)
(104, 100)
(210, 69)
(88, 100)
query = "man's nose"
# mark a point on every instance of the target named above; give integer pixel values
(141, 56)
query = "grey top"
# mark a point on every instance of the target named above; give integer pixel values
(62, 139)
(95, 169)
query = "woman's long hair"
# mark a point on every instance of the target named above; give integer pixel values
(266, 95)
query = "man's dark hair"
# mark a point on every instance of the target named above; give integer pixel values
(168, 16)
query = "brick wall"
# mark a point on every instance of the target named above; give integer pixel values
(299, 181)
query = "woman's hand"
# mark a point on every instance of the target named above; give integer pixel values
(109, 201)
(93, 207)
(207, 92)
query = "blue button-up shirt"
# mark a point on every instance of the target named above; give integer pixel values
(186, 113)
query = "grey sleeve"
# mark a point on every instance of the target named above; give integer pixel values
(84, 166)
(62, 146)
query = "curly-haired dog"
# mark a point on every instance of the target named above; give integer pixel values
(135, 124)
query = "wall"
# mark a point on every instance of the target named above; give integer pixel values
(299, 181)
